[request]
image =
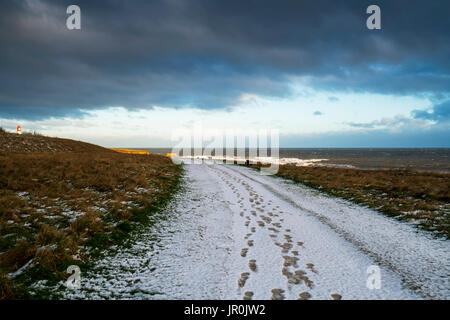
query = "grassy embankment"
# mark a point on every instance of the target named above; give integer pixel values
(63, 201)
(422, 198)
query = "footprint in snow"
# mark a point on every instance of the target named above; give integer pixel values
(243, 279)
(336, 296)
(247, 295)
(297, 277)
(277, 224)
(304, 296)
(290, 261)
(310, 266)
(252, 265)
(286, 247)
(273, 229)
(277, 294)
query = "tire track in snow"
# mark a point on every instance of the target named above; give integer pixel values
(421, 261)
(279, 257)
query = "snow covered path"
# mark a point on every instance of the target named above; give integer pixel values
(234, 234)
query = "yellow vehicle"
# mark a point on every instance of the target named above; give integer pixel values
(171, 155)
(131, 151)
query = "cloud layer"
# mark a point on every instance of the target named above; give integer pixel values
(439, 113)
(206, 54)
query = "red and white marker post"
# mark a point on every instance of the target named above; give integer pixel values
(19, 130)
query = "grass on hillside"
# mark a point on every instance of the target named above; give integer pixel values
(57, 208)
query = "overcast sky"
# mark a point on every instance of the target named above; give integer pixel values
(311, 69)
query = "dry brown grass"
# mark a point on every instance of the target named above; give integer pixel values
(33, 142)
(419, 197)
(54, 203)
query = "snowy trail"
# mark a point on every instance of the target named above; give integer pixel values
(234, 234)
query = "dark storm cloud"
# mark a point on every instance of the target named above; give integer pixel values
(439, 113)
(205, 54)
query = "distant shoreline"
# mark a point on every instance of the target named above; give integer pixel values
(417, 159)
